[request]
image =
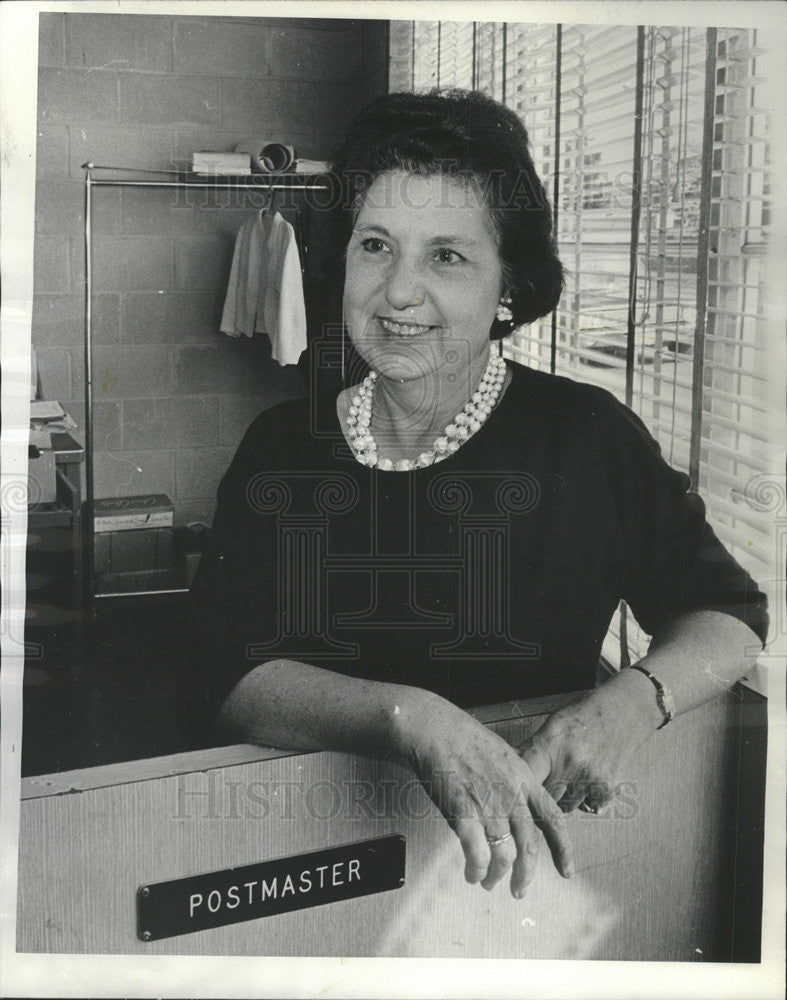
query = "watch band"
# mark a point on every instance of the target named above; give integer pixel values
(664, 697)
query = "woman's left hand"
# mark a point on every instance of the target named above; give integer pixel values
(581, 752)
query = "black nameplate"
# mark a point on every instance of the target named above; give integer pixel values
(215, 899)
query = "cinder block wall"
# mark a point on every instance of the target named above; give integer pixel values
(172, 394)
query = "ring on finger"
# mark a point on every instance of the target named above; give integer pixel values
(496, 841)
(588, 807)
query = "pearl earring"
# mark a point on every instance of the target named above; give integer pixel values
(503, 311)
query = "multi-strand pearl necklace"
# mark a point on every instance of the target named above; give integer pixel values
(462, 427)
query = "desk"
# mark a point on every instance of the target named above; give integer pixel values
(66, 512)
(658, 877)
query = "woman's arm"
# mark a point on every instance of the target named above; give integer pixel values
(581, 750)
(481, 785)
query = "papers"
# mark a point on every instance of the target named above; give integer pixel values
(46, 409)
(48, 415)
(311, 167)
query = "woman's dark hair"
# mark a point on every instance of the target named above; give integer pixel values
(466, 135)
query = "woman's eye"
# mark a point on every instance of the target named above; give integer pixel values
(373, 244)
(446, 256)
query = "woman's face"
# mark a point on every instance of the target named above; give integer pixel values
(423, 276)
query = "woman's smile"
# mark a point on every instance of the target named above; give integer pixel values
(402, 328)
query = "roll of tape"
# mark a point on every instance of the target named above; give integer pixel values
(267, 156)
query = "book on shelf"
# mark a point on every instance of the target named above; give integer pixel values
(221, 164)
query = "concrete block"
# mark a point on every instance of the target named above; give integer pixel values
(51, 39)
(107, 430)
(106, 318)
(131, 263)
(76, 266)
(333, 105)
(188, 140)
(171, 317)
(128, 371)
(106, 422)
(239, 367)
(232, 367)
(180, 422)
(256, 106)
(198, 471)
(203, 264)
(221, 48)
(297, 53)
(52, 266)
(77, 371)
(253, 107)
(60, 208)
(309, 145)
(69, 95)
(58, 320)
(179, 212)
(130, 473)
(54, 372)
(52, 151)
(169, 100)
(109, 145)
(122, 42)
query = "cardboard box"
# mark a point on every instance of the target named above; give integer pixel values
(135, 551)
(151, 510)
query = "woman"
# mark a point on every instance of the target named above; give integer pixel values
(461, 529)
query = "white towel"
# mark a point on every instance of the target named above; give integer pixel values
(265, 291)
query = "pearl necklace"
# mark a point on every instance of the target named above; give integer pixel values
(461, 428)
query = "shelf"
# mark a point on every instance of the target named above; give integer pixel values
(289, 181)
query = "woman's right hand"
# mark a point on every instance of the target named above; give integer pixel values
(485, 791)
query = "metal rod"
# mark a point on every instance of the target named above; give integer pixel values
(210, 185)
(89, 556)
(439, 54)
(474, 69)
(184, 173)
(556, 182)
(505, 61)
(636, 199)
(143, 593)
(703, 245)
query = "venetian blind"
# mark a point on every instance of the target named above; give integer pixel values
(653, 144)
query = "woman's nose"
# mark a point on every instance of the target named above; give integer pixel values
(404, 287)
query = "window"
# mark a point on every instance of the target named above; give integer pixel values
(663, 231)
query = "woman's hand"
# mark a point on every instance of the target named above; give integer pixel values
(486, 792)
(581, 751)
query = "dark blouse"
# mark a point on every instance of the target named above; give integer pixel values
(492, 575)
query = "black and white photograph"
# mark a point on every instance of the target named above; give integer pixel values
(394, 505)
